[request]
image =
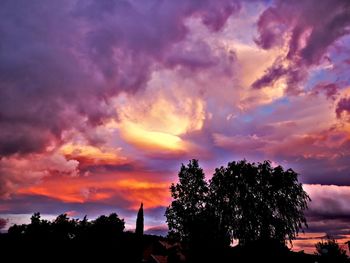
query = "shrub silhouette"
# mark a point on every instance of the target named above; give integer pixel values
(330, 251)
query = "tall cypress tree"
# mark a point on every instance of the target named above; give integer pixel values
(139, 222)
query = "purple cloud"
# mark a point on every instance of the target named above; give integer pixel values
(61, 62)
(329, 210)
(331, 90)
(271, 76)
(343, 106)
(314, 26)
(303, 19)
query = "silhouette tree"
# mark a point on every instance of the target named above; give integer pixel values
(64, 228)
(35, 219)
(139, 222)
(38, 228)
(330, 251)
(108, 226)
(189, 201)
(258, 202)
(255, 203)
(16, 231)
(83, 228)
(189, 216)
(82, 240)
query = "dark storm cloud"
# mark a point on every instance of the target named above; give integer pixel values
(334, 221)
(43, 86)
(343, 106)
(327, 21)
(324, 170)
(314, 27)
(273, 74)
(330, 90)
(61, 61)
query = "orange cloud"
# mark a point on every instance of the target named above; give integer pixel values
(103, 188)
(152, 194)
(91, 155)
(19, 171)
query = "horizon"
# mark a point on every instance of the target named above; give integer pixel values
(101, 102)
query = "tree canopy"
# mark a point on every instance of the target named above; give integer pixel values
(65, 228)
(244, 201)
(189, 200)
(257, 201)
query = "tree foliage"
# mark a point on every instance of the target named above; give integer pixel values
(244, 201)
(65, 228)
(189, 200)
(257, 201)
(80, 239)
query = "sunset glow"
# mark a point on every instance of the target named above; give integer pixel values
(101, 102)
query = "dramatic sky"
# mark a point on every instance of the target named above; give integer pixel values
(101, 101)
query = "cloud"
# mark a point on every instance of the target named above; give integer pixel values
(161, 230)
(328, 214)
(17, 172)
(3, 223)
(329, 201)
(105, 187)
(100, 101)
(310, 36)
(330, 90)
(59, 69)
(156, 120)
(343, 106)
(88, 155)
(307, 38)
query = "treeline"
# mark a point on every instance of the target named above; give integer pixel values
(64, 228)
(103, 239)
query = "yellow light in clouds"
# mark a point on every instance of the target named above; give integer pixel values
(135, 184)
(157, 122)
(91, 155)
(174, 118)
(136, 134)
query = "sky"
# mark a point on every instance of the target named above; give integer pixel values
(101, 102)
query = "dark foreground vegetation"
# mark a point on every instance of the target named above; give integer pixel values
(261, 206)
